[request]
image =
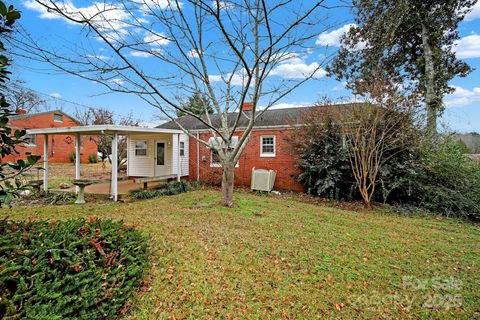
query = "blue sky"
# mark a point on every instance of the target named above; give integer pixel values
(462, 112)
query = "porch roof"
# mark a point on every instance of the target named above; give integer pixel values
(102, 129)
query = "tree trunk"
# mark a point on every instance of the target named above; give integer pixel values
(430, 98)
(228, 176)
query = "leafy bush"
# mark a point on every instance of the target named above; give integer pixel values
(448, 182)
(430, 174)
(10, 171)
(167, 189)
(93, 158)
(326, 170)
(73, 269)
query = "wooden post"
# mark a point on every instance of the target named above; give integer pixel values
(77, 159)
(45, 162)
(178, 158)
(115, 167)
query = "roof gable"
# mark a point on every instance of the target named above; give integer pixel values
(29, 115)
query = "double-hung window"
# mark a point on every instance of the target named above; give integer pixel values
(182, 148)
(141, 148)
(267, 146)
(30, 139)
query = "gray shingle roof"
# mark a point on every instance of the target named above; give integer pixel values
(273, 117)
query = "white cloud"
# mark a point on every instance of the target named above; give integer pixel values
(117, 81)
(333, 38)
(290, 57)
(474, 14)
(224, 5)
(156, 39)
(290, 105)
(147, 6)
(193, 54)
(468, 47)
(145, 54)
(290, 66)
(238, 79)
(55, 95)
(140, 54)
(463, 97)
(298, 70)
(98, 57)
(109, 19)
(44, 14)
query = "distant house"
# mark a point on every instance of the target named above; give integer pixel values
(60, 147)
(268, 147)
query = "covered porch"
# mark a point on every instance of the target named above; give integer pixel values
(150, 153)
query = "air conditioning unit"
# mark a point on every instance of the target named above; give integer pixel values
(263, 180)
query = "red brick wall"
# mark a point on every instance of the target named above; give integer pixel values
(284, 163)
(60, 147)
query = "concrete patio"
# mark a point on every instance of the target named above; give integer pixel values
(124, 187)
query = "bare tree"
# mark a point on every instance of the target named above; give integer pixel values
(20, 97)
(231, 51)
(92, 116)
(375, 132)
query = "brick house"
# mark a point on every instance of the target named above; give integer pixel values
(60, 147)
(268, 148)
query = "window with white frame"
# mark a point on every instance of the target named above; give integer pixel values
(30, 139)
(58, 117)
(267, 146)
(140, 148)
(215, 158)
(215, 161)
(182, 148)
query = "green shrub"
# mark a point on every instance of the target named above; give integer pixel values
(93, 158)
(326, 170)
(430, 174)
(448, 182)
(73, 269)
(167, 189)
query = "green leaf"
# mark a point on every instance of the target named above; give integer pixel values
(3, 8)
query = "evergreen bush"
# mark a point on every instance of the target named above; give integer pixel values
(446, 181)
(73, 269)
(326, 170)
(167, 189)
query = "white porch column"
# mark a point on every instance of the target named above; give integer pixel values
(115, 167)
(178, 158)
(45, 162)
(77, 158)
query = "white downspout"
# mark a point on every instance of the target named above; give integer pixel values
(178, 157)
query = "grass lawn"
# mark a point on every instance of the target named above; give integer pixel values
(65, 172)
(280, 258)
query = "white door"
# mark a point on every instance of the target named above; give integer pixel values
(160, 158)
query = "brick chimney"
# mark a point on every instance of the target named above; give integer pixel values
(247, 106)
(21, 111)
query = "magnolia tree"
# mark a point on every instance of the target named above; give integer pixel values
(229, 51)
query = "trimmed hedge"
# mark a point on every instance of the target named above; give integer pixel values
(167, 189)
(73, 269)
